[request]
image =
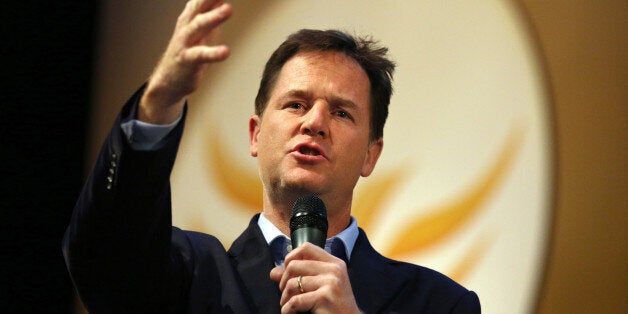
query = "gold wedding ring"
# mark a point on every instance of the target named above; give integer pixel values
(299, 284)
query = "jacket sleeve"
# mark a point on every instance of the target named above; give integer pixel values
(117, 246)
(469, 303)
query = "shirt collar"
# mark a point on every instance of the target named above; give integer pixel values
(347, 236)
(269, 230)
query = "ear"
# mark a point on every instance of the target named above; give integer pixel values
(372, 155)
(254, 128)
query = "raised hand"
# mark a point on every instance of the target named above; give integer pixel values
(314, 280)
(190, 50)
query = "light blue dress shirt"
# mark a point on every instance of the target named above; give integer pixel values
(347, 236)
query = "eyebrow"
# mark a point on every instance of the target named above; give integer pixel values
(334, 101)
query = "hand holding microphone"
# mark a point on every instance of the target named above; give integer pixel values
(312, 280)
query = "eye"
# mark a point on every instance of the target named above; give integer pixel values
(343, 114)
(295, 105)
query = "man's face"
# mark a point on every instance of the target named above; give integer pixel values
(314, 134)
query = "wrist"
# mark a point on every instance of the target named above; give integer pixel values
(158, 108)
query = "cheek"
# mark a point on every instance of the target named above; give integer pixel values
(269, 146)
(354, 155)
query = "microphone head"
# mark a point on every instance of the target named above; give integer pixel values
(309, 212)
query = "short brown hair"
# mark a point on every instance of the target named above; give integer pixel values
(371, 57)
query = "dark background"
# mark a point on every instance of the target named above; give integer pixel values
(47, 53)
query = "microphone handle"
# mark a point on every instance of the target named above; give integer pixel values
(308, 234)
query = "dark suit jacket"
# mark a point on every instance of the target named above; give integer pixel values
(124, 255)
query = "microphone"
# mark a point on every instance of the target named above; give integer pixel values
(308, 222)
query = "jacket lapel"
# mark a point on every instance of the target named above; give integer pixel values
(252, 258)
(373, 279)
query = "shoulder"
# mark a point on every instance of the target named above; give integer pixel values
(197, 243)
(433, 291)
(428, 278)
(417, 287)
(199, 255)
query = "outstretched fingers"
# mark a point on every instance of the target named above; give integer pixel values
(182, 65)
(204, 54)
(194, 7)
(199, 29)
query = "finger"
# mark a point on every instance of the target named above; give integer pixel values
(188, 13)
(309, 251)
(314, 269)
(305, 260)
(308, 284)
(301, 302)
(276, 273)
(327, 293)
(203, 54)
(202, 25)
(194, 7)
(298, 268)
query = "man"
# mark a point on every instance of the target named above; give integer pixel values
(317, 127)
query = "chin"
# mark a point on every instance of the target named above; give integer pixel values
(302, 187)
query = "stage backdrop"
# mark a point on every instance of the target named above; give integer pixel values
(465, 182)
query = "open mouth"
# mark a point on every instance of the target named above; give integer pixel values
(308, 151)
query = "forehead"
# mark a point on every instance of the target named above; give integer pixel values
(326, 73)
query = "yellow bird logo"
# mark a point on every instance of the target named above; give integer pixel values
(242, 186)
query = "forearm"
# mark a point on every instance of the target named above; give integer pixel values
(117, 246)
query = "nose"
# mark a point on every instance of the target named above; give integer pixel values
(316, 121)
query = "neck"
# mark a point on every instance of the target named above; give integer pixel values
(279, 213)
